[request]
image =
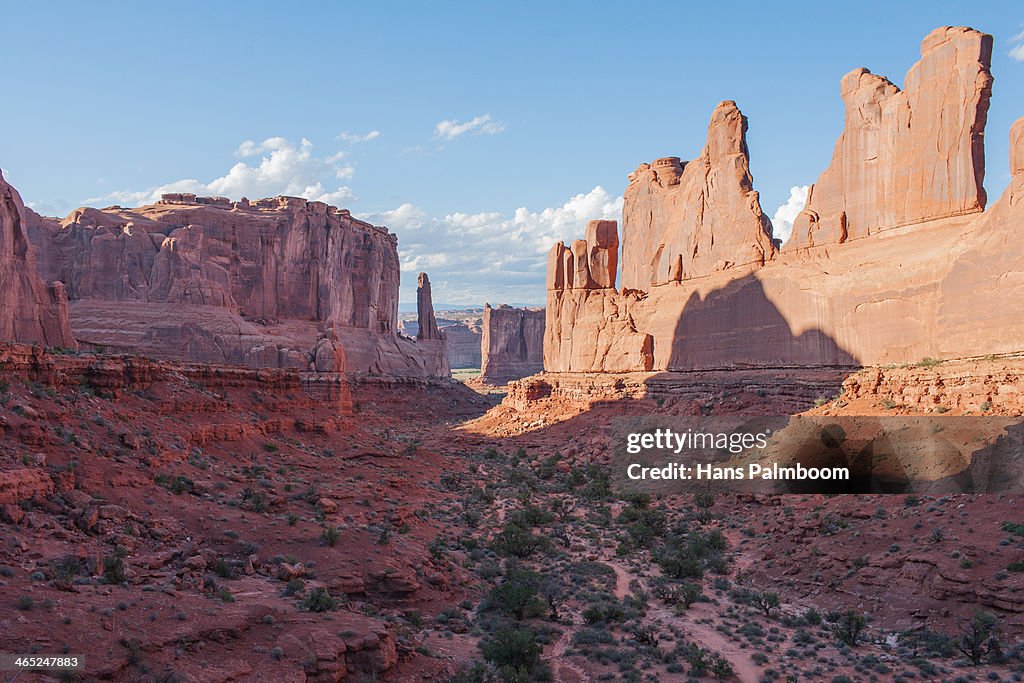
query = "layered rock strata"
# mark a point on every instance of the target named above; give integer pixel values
(512, 343)
(281, 282)
(906, 156)
(32, 311)
(588, 323)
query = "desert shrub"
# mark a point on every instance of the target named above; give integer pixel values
(689, 555)
(516, 541)
(517, 596)
(66, 568)
(515, 653)
(643, 526)
(766, 602)
(318, 600)
(849, 628)
(113, 566)
(330, 536)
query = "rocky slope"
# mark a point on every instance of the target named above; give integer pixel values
(258, 283)
(32, 311)
(215, 522)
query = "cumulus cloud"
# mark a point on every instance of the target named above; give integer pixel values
(353, 138)
(1017, 47)
(489, 256)
(449, 129)
(275, 166)
(782, 221)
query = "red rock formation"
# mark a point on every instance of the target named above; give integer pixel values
(906, 156)
(427, 323)
(937, 291)
(512, 343)
(30, 311)
(260, 283)
(463, 343)
(681, 221)
(588, 326)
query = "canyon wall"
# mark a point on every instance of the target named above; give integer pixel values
(281, 282)
(512, 343)
(32, 311)
(906, 156)
(463, 342)
(682, 220)
(933, 277)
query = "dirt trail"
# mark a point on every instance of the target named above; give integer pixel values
(704, 635)
(565, 670)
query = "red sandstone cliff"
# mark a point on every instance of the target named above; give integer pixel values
(945, 284)
(686, 219)
(280, 282)
(463, 343)
(906, 156)
(512, 344)
(31, 311)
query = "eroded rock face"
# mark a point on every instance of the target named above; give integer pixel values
(685, 220)
(940, 288)
(425, 310)
(588, 326)
(463, 343)
(906, 156)
(260, 283)
(512, 343)
(30, 310)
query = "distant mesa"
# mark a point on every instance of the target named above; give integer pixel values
(512, 343)
(278, 282)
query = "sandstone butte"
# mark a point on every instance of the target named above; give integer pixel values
(512, 343)
(463, 341)
(279, 283)
(892, 261)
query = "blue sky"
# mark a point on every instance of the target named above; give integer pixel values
(480, 133)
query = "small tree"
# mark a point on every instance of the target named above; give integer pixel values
(517, 541)
(766, 602)
(849, 628)
(980, 638)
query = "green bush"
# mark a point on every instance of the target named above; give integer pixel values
(318, 600)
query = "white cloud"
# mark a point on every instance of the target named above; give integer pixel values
(449, 129)
(782, 221)
(353, 138)
(489, 256)
(1017, 51)
(283, 168)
